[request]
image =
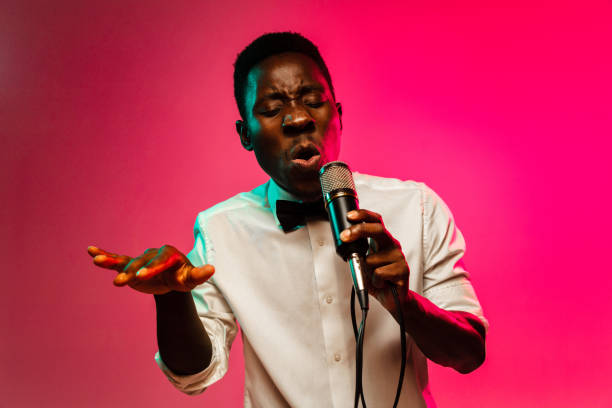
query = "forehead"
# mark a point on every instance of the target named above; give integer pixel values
(285, 72)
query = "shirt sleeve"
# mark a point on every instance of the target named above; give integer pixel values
(218, 320)
(446, 280)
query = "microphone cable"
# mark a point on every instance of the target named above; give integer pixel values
(340, 197)
(359, 335)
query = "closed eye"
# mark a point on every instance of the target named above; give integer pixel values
(315, 104)
(270, 113)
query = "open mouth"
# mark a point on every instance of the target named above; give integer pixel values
(305, 155)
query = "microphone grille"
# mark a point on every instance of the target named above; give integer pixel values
(336, 175)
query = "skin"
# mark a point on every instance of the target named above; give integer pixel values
(289, 104)
(166, 273)
(450, 338)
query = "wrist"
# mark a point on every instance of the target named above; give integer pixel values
(171, 296)
(406, 298)
(410, 305)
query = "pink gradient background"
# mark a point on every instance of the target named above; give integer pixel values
(116, 124)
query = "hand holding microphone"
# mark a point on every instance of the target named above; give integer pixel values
(387, 265)
(351, 227)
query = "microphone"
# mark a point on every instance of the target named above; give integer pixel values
(340, 197)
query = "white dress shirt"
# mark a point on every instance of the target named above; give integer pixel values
(290, 293)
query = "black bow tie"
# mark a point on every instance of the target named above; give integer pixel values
(291, 214)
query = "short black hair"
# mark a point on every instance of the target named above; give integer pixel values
(266, 46)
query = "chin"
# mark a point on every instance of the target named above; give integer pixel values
(307, 191)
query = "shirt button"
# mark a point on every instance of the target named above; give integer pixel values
(329, 299)
(321, 242)
(337, 357)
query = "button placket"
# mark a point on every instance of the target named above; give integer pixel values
(331, 281)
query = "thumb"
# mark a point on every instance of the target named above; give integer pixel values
(200, 274)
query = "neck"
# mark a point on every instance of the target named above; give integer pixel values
(310, 198)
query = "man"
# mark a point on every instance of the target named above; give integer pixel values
(284, 284)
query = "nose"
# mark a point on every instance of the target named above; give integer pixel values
(297, 119)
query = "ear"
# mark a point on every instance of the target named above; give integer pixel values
(243, 132)
(339, 108)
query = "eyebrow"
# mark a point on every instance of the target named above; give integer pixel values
(302, 91)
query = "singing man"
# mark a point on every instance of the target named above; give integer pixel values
(278, 274)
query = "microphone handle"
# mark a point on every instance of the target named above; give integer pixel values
(357, 273)
(353, 252)
(338, 208)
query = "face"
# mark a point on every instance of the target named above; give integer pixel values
(293, 123)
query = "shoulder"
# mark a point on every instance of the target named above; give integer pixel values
(237, 205)
(399, 191)
(374, 184)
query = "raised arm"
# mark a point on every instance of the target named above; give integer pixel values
(167, 274)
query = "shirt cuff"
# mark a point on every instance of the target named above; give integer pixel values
(194, 384)
(457, 297)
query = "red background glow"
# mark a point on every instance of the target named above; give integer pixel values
(117, 128)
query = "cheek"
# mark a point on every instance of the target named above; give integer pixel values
(268, 149)
(332, 140)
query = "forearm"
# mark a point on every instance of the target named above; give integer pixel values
(183, 342)
(449, 338)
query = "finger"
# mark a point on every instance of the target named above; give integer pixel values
(362, 230)
(129, 271)
(376, 231)
(108, 260)
(363, 215)
(366, 216)
(385, 257)
(199, 275)
(122, 279)
(374, 283)
(94, 251)
(396, 272)
(161, 262)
